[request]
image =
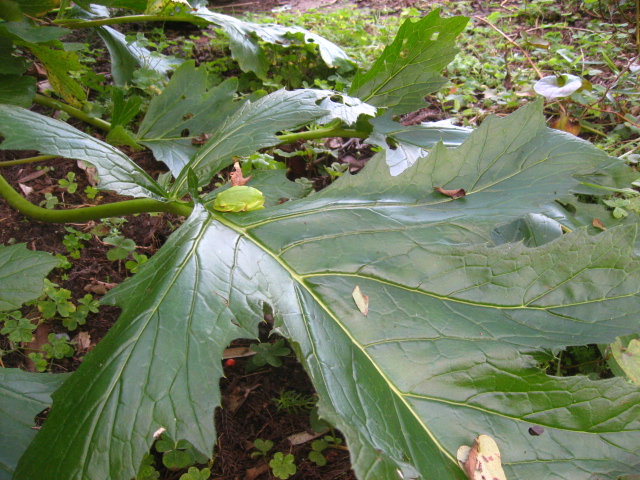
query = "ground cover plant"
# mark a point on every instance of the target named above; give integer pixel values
(422, 295)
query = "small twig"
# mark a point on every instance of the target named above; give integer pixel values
(513, 43)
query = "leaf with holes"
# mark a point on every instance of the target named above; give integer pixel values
(448, 349)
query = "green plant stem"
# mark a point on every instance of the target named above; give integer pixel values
(321, 133)
(22, 161)
(127, 207)
(74, 112)
(67, 23)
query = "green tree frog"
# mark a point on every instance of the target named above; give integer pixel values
(239, 199)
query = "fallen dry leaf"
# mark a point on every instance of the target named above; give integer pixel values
(200, 139)
(83, 341)
(362, 301)
(25, 189)
(237, 352)
(237, 179)
(459, 193)
(598, 224)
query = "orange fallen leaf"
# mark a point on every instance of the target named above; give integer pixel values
(598, 224)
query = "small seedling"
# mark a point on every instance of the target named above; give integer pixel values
(58, 301)
(91, 192)
(318, 446)
(50, 201)
(138, 260)
(79, 317)
(196, 474)
(267, 353)
(175, 455)
(39, 361)
(18, 329)
(123, 245)
(293, 402)
(69, 183)
(147, 470)
(282, 466)
(58, 346)
(618, 205)
(263, 447)
(73, 241)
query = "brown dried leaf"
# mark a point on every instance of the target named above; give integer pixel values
(598, 224)
(458, 193)
(200, 139)
(236, 176)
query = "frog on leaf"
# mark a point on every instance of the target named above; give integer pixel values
(239, 199)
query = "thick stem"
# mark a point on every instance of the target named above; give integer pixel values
(74, 112)
(127, 207)
(72, 23)
(22, 161)
(321, 133)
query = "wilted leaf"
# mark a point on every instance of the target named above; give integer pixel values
(598, 224)
(482, 460)
(58, 64)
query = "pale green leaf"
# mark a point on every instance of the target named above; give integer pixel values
(22, 273)
(409, 68)
(26, 130)
(22, 396)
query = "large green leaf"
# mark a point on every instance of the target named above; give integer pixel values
(409, 68)
(21, 275)
(22, 396)
(184, 111)
(449, 346)
(26, 130)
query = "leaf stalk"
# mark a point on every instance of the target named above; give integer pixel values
(84, 214)
(74, 112)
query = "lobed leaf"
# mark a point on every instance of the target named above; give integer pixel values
(409, 68)
(447, 350)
